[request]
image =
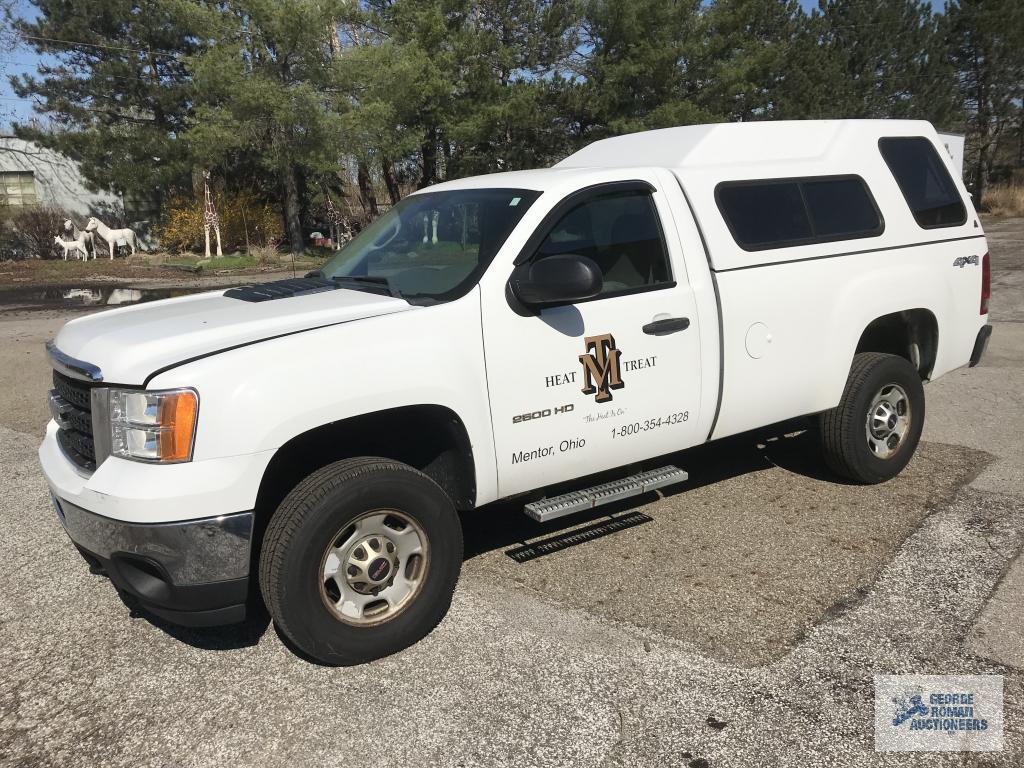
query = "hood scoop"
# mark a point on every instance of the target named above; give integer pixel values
(282, 289)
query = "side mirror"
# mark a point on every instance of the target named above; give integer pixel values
(554, 280)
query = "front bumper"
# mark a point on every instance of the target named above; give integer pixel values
(159, 532)
(194, 572)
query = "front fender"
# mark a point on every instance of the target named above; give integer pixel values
(257, 398)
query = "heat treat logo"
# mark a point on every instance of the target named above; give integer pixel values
(601, 372)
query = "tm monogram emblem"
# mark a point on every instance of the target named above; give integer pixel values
(601, 367)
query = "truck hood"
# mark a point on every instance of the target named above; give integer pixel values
(131, 343)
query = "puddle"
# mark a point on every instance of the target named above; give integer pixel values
(78, 296)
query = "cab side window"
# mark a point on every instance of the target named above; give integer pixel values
(622, 234)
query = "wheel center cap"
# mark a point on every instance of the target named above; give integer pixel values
(885, 420)
(379, 569)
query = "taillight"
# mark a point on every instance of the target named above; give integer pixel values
(986, 283)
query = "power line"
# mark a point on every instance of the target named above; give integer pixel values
(101, 45)
(94, 75)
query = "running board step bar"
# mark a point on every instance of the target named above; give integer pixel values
(588, 498)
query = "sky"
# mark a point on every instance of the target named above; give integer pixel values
(23, 59)
(12, 62)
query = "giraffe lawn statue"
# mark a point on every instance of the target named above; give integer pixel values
(210, 218)
(430, 220)
(335, 220)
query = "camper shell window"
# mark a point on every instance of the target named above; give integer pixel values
(781, 213)
(924, 181)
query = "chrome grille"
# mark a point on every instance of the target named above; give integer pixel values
(71, 402)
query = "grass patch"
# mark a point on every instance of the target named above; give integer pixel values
(147, 266)
(259, 259)
(58, 271)
(234, 261)
(1004, 199)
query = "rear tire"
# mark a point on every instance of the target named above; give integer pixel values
(360, 560)
(873, 432)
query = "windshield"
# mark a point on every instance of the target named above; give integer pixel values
(431, 247)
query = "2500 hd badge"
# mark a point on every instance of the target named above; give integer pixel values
(520, 418)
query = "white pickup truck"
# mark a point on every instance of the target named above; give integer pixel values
(497, 336)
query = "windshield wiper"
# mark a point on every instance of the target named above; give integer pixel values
(366, 280)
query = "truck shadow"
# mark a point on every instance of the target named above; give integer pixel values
(791, 445)
(224, 638)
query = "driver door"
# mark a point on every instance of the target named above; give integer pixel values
(604, 382)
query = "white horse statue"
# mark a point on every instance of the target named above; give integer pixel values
(112, 236)
(74, 245)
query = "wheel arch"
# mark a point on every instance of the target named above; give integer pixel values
(912, 334)
(431, 438)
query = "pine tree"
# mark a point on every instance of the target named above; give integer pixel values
(878, 59)
(385, 89)
(120, 95)
(746, 55)
(636, 72)
(504, 113)
(265, 86)
(419, 38)
(465, 87)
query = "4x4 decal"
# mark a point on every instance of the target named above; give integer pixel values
(963, 261)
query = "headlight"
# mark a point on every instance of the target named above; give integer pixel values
(152, 426)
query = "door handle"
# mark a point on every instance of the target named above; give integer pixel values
(666, 326)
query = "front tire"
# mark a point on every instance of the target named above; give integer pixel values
(873, 432)
(360, 560)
